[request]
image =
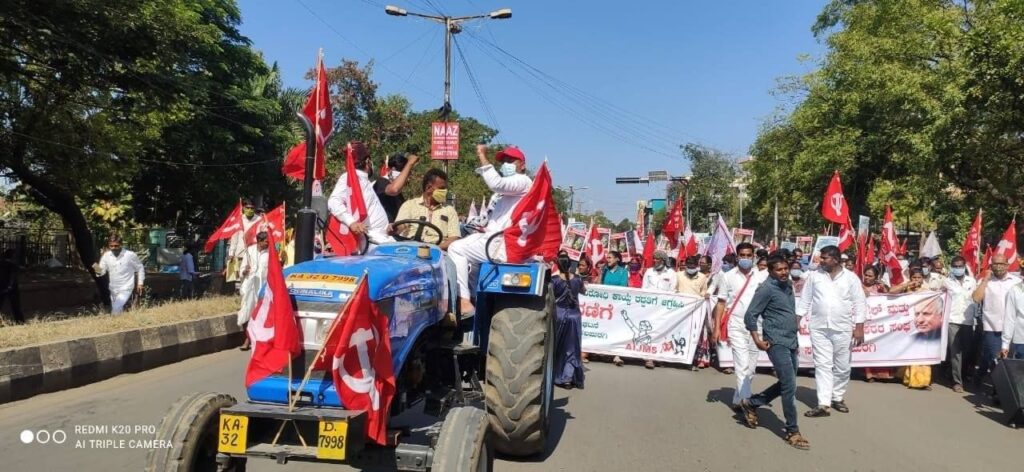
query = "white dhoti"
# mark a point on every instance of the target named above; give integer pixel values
(744, 358)
(249, 290)
(118, 299)
(467, 253)
(831, 363)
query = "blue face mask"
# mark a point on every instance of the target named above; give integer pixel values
(507, 169)
(745, 264)
(958, 271)
(796, 273)
(691, 271)
(726, 267)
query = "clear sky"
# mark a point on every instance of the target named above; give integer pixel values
(604, 88)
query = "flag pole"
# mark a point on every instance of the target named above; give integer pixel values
(320, 353)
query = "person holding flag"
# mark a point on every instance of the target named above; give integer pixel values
(509, 185)
(353, 201)
(393, 178)
(252, 273)
(237, 247)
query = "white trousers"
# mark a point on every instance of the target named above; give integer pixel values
(467, 253)
(249, 290)
(118, 298)
(831, 363)
(744, 360)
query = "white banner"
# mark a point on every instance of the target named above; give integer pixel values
(899, 330)
(644, 324)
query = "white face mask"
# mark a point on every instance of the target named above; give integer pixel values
(507, 169)
(394, 174)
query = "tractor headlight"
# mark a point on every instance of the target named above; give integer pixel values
(516, 280)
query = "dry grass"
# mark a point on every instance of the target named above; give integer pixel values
(61, 327)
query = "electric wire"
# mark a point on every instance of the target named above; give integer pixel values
(477, 89)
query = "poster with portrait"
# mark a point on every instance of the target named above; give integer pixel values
(822, 241)
(575, 242)
(742, 235)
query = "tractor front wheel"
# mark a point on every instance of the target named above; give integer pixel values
(462, 445)
(190, 427)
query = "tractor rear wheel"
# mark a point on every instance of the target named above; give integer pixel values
(519, 371)
(190, 427)
(462, 445)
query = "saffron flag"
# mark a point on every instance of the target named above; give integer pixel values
(231, 225)
(318, 110)
(972, 245)
(834, 207)
(361, 364)
(274, 329)
(890, 244)
(536, 228)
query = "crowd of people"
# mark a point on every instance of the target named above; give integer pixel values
(759, 299)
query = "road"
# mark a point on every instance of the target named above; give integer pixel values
(626, 419)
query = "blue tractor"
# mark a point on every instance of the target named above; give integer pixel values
(486, 379)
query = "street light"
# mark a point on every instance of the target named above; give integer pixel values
(452, 25)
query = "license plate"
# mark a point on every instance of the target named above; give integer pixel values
(233, 431)
(330, 442)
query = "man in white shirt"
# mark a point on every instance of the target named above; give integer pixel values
(252, 273)
(509, 184)
(991, 293)
(962, 315)
(236, 245)
(735, 291)
(834, 300)
(660, 277)
(125, 273)
(1013, 325)
(375, 226)
(933, 279)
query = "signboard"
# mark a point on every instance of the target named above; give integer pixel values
(740, 235)
(788, 245)
(821, 242)
(898, 330)
(444, 141)
(659, 326)
(575, 242)
(863, 225)
(804, 243)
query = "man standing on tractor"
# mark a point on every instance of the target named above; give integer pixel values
(376, 218)
(509, 184)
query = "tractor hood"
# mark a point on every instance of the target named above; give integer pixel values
(333, 279)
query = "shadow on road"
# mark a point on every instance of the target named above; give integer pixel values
(723, 395)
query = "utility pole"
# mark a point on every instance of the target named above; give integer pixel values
(572, 193)
(452, 26)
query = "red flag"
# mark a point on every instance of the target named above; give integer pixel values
(986, 262)
(536, 228)
(972, 245)
(673, 223)
(648, 260)
(342, 241)
(858, 263)
(231, 225)
(318, 110)
(688, 245)
(1007, 246)
(845, 236)
(834, 207)
(890, 244)
(274, 329)
(597, 249)
(361, 366)
(272, 223)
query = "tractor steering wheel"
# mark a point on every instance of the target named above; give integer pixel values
(421, 225)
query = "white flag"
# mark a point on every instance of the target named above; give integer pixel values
(931, 248)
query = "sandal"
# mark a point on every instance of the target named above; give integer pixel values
(749, 413)
(617, 361)
(817, 412)
(649, 364)
(797, 440)
(585, 359)
(840, 406)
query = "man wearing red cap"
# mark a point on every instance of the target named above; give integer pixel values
(509, 183)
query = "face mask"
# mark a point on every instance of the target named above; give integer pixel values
(116, 252)
(507, 169)
(796, 273)
(659, 265)
(726, 267)
(959, 271)
(394, 174)
(634, 268)
(248, 212)
(925, 271)
(746, 264)
(692, 271)
(440, 195)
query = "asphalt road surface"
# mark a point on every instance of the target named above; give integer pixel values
(627, 419)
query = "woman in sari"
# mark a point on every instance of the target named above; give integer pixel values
(568, 325)
(914, 376)
(874, 286)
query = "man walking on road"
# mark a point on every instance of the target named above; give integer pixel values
(734, 295)
(834, 301)
(962, 314)
(773, 303)
(126, 273)
(992, 293)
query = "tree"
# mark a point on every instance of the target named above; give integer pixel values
(92, 91)
(713, 173)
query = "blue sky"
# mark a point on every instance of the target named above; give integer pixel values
(674, 71)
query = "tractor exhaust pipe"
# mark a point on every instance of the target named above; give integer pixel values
(305, 229)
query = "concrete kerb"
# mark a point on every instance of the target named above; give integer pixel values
(32, 370)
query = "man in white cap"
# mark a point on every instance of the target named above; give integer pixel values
(661, 277)
(509, 183)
